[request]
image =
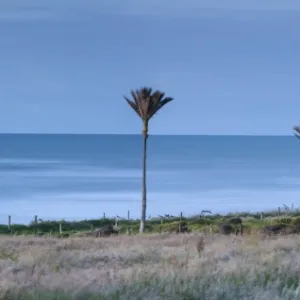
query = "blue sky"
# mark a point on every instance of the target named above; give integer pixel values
(233, 67)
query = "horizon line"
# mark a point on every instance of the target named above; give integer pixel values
(156, 134)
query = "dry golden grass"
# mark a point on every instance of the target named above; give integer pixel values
(150, 267)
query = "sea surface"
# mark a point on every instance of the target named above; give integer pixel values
(83, 176)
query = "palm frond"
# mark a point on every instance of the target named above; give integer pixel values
(145, 92)
(135, 97)
(165, 101)
(133, 106)
(161, 104)
(297, 131)
(296, 128)
(145, 103)
(156, 98)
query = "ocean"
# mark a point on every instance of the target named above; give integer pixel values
(75, 177)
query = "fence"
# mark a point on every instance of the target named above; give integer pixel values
(59, 226)
(36, 221)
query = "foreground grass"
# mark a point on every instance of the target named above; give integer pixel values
(150, 267)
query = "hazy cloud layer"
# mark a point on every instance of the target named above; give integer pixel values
(33, 10)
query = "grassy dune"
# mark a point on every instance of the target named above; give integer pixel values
(150, 267)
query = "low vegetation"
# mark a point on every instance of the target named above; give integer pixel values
(199, 264)
(155, 266)
(252, 222)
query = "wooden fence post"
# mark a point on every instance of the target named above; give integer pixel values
(161, 223)
(9, 224)
(36, 223)
(128, 219)
(60, 228)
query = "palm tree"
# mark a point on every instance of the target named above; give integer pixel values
(297, 131)
(146, 103)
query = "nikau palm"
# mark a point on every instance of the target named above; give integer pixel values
(146, 104)
(297, 131)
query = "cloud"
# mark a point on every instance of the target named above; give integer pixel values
(12, 11)
(36, 10)
(190, 5)
(194, 6)
(250, 10)
(21, 16)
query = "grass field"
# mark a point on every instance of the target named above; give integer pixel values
(152, 267)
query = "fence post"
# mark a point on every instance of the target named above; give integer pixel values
(116, 222)
(210, 229)
(9, 224)
(104, 216)
(180, 217)
(261, 216)
(128, 219)
(161, 223)
(279, 212)
(36, 223)
(60, 228)
(92, 227)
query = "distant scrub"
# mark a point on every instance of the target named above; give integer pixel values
(195, 223)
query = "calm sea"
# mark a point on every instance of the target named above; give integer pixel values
(83, 176)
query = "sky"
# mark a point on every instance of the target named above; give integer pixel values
(232, 67)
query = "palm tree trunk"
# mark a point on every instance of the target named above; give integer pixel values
(144, 185)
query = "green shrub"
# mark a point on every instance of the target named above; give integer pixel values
(296, 221)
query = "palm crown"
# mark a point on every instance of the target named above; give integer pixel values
(297, 131)
(146, 104)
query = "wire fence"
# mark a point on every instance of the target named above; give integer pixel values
(37, 222)
(27, 219)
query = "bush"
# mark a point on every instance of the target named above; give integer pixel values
(296, 221)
